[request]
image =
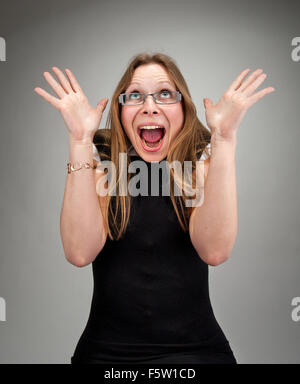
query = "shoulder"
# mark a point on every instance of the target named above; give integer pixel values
(206, 167)
(101, 152)
(204, 157)
(102, 135)
(102, 144)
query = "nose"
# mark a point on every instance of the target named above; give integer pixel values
(149, 106)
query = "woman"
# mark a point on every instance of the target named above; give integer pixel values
(150, 254)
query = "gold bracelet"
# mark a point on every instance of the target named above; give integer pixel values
(71, 167)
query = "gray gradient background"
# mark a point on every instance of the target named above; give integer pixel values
(48, 299)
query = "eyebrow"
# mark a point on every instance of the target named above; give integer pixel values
(159, 82)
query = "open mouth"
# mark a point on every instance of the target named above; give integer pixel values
(152, 138)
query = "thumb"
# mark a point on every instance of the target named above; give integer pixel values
(102, 105)
(207, 103)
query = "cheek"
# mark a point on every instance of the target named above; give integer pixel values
(127, 117)
(176, 119)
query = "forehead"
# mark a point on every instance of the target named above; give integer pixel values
(150, 74)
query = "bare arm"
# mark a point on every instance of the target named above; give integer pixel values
(214, 224)
(81, 222)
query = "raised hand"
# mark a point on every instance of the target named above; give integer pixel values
(224, 118)
(81, 119)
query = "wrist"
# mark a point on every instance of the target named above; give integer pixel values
(223, 149)
(80, 150)
(220, 141)
(82, 142)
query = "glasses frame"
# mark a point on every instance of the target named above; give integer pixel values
(178, 98)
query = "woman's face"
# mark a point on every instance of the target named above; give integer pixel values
(152, 78)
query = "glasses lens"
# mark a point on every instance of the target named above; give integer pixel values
(133, 98)
(162, 97)
(166, 97)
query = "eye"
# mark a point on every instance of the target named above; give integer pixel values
(166, 92)
(134, 95)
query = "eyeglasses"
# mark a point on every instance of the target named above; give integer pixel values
(162, 97)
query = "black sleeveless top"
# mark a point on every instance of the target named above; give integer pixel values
(151, 296)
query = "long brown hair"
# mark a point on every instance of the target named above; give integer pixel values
(188, 145)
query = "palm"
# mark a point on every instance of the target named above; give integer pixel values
(225, 117)
(80, 115)
(81, 119)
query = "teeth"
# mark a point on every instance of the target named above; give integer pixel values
(150, 127)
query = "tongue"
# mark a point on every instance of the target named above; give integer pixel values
(152, 135)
